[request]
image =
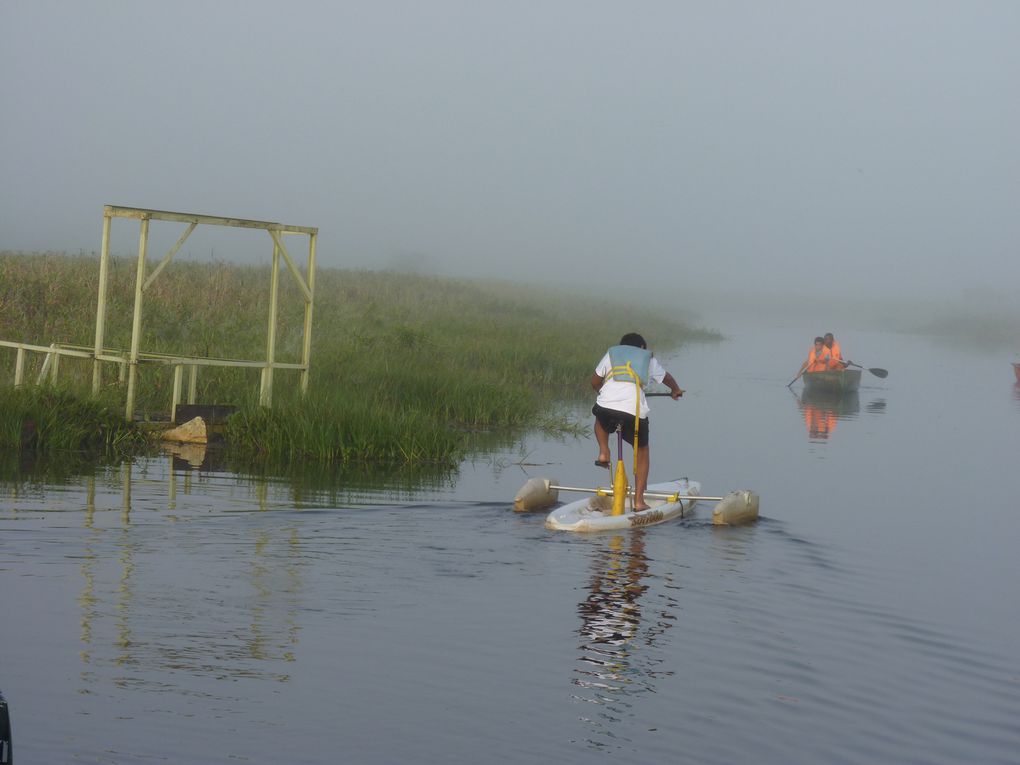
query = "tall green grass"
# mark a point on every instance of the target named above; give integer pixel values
(403, 365)
(50, 420)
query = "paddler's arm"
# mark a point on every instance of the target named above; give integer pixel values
(675, 391)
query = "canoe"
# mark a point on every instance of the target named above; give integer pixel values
(594, 513)
(834, 380)
(1016, 371)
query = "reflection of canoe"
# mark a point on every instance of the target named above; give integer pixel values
(822, 409)
(1016, 371)
(837, 380)
(594, 513)
(843, 404)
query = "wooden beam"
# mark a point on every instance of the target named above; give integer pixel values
(213, 220)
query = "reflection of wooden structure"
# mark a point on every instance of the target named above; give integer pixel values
(1016, 371)
(117, 595)
(128, 361)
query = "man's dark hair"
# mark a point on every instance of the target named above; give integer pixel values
(633, 338)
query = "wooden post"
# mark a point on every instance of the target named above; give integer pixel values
(136, 324)
(178, 379)
(266, 394)
(19, 368)
(306, 350)
(129, 363)
(104, 268)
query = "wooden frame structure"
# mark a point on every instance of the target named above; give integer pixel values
(143, 281)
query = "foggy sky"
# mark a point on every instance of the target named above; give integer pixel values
(868, 148)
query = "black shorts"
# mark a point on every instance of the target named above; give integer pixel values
(610, 418)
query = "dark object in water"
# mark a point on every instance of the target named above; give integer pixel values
(213, 414)
(6, 752)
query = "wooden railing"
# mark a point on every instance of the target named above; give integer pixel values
(50, 368)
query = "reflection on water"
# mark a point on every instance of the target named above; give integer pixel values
(877, 406)
(247, 579)
(191, 466)
(615, 664)
(125, 641)
(823, 410)
(172, 608)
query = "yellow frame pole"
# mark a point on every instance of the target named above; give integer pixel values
(104, 261)
(128, 367)
(266, 395)
(19, 368)
(178, 381)
(136, 324)
(306, 350)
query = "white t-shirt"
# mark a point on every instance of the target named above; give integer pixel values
(619, 394)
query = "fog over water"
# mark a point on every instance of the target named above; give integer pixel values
(863, 149)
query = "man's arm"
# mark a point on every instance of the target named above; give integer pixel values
(675, 390)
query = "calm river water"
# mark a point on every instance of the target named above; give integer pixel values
(156, 613)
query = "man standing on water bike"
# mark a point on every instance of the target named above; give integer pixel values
(618, 378)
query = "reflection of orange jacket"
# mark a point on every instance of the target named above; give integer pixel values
(820, 422)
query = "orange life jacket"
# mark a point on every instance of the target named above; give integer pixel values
(835, 356)
(818, 361)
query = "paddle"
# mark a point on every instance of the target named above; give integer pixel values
(794, 379)
(877, 371)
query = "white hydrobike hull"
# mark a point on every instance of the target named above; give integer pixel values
(595, 513)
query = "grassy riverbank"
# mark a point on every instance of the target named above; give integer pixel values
(403, 365)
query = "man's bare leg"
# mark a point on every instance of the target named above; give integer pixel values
(641, 479)
(603, 440)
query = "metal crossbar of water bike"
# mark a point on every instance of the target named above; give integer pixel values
(656, 495)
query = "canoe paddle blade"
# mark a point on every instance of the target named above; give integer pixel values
(877, 371)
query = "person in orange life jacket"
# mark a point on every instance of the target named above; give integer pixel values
(619, 395)
(835, 353)
(817, 360)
